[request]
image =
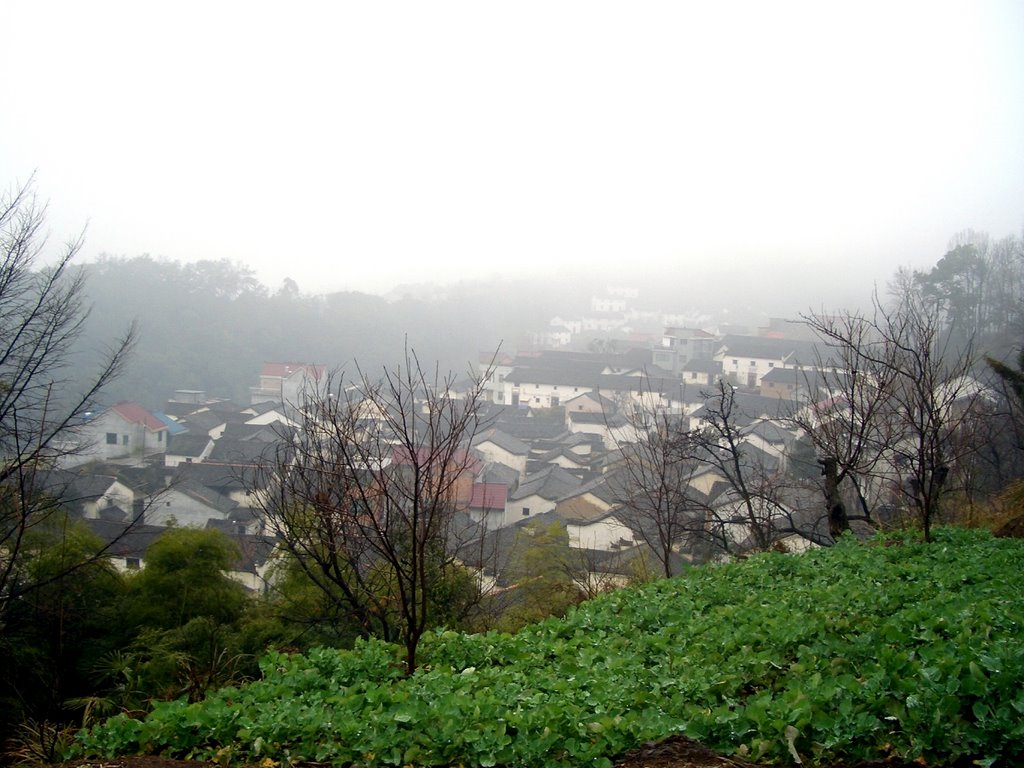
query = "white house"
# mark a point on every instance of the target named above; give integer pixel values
(123, 431)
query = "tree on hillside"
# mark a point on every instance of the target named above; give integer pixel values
(182, 610)
(848, 421)
(366, 496)
(544, 570)
(977, 287)
(45, 387)
(719, 444)
(910, 407)
(653, 486)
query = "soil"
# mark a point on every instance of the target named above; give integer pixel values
(675, 752)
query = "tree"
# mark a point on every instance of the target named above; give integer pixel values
(910, 402)
(183, 610)
(849, 420)
(654, 484)
(186, 578)
(55, 633)
(45, 390)
(719, 443)
(366, 493)
(541, 568)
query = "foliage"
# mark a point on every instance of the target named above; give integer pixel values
(540, 567)
(902, 648)
(55, 633)
(184, 579)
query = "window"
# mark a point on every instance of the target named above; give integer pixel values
(124, 439)
(771, 365)
(526, 511)
(159, 437)
(111, 438)
(132, 563)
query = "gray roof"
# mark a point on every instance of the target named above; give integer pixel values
(189, 444)
(771, 432)
(748, 407)
(503, 440)
(241, 451)
(551, 483)
(496, 472)
(767, 348)
(220, 476)
(205, 495)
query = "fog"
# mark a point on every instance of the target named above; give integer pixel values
(789, 152)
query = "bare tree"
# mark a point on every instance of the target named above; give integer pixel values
(365, 495)
(933, 399)
(653, 484)
(719, 443)
(44, 391)
(848, 418)
(906, 408)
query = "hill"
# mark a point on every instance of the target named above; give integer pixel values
(896, 649)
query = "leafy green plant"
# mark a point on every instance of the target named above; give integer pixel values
(899, 648)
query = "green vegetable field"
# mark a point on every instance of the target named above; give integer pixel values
(890, 648)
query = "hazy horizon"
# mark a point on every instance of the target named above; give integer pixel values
(365, 147)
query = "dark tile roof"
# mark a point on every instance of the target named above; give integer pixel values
(504, 441)
(767, 348)
(551, 483)
(241, 451)
(190, 444)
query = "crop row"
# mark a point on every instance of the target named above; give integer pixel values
(904, 648)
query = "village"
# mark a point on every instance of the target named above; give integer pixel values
(553, 445)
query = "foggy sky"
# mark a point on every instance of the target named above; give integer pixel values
(362, 145)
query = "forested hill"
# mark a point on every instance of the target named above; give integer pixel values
(210, 325)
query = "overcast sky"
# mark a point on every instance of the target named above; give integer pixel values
(360, 145)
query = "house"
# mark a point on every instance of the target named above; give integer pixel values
(284, 383)
(489, 505)
(188, 448)
(236, 481)
(187, 503)
(804, 384)
(589, 514)
(125, 431)
(128, 544)
(539, 492)
(700, 373)
(745, 359)
(746, 408)
(590, 402)
(494, 445)
(612, 430)
(88, 494)
(681, 346)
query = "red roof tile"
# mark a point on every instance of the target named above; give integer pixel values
(136, 414)
(488, 496)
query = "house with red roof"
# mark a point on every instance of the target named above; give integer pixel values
(123, 431)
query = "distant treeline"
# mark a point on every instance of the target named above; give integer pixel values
(210, 325)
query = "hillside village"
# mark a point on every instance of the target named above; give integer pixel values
(552, 449)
